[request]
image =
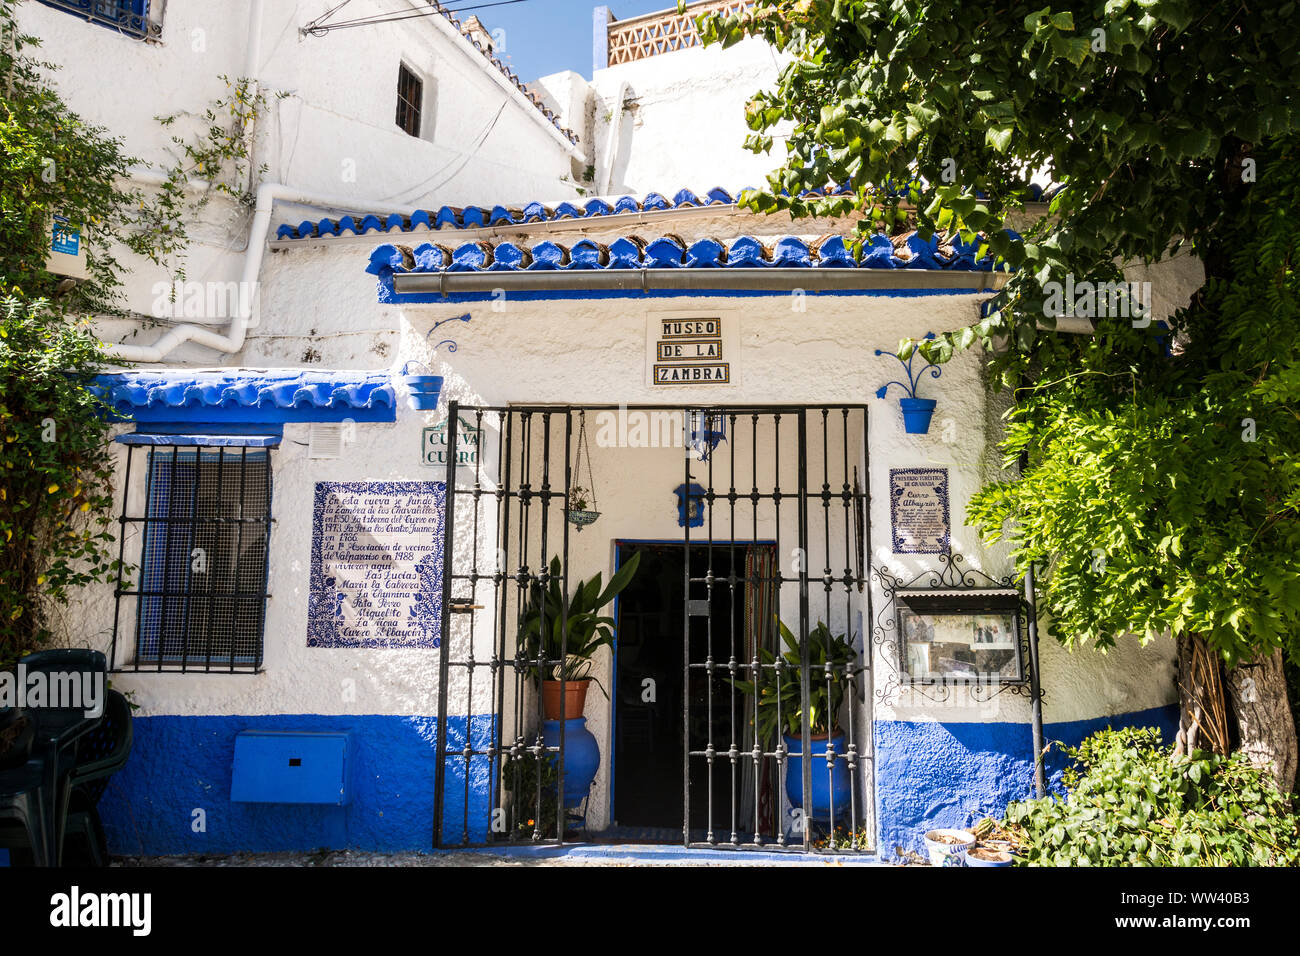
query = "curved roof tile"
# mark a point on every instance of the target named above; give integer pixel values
(906, 251)
(181, 394)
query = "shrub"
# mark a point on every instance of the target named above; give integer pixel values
(1131, 802)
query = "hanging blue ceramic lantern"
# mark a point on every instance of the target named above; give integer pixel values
(708, 430)
(690, 505)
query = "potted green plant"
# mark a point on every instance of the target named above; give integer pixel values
(557, 638)
(778, 709)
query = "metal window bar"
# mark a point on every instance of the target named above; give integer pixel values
(201, 599)
(525, 501)
(128, 17)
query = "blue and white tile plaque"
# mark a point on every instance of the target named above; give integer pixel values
(376, 564)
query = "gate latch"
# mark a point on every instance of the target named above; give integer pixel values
(463, 606)
(697, 608)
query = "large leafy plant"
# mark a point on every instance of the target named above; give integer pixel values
(777, 689)
(1160, 487)
(558, 636)
(1132, 802)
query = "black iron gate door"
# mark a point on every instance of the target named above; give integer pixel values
(501, 769)
(774, 658)
(774, 532)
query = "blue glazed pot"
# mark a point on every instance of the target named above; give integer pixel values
(581, 756)
(916, 414)
(425, 390)
(837, 783)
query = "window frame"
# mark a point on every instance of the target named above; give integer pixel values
(136, 19)
(405, 70)
(155, 593)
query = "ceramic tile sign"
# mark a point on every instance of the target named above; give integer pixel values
(475, 453)
(688, 348)
(376, 564)
(918, 510)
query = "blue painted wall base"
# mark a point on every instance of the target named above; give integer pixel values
(180, 765)
(931, 774)
(928, 774)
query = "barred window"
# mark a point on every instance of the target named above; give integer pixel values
(410, 99)
(136, 18)
(201, 589)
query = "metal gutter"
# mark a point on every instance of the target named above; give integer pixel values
(648, 280)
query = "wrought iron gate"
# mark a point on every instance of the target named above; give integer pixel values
(776, 496)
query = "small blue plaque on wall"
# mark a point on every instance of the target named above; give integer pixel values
(376, 564)
(918, 510)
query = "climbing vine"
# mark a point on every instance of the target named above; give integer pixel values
(217, 160)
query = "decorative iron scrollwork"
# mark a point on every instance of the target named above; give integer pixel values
(951, 576)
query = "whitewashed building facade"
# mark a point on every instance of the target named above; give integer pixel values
(372, 471)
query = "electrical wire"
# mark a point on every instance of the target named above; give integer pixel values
(312, 27)
(317, 29)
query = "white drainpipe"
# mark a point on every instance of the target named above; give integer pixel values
(247, 313)
(615, 134)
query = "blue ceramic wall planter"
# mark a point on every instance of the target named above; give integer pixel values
(425, 389)
(917, 412)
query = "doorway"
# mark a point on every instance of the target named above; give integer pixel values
(657, 717)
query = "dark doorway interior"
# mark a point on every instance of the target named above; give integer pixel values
(648, 733)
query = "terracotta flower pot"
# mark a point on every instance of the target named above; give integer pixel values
(574, 699)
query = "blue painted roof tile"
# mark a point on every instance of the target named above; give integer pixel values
(705, 254)
(471, 257)
(879, 254)
(746, 252)
(536, 212)
(587, 254)
(549, 255)
(664, 253)
(834, 253)
(625, 252)
(184, 394)
(790, 252)
(508, 257)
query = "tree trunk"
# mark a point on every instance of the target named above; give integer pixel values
(1202, 704)
(1265, 726)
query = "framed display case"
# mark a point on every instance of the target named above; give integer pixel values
(959, 636)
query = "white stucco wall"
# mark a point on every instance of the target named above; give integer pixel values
(682, 118)
(334, 132)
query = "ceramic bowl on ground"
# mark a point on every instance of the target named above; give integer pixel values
(987, 856)
(948, 847)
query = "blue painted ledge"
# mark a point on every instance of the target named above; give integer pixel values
(182, 764)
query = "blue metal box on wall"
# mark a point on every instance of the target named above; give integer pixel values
(278, 767)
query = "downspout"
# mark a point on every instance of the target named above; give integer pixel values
(615, 134)
(1035, 680)
(252, 67)
(246, 315)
